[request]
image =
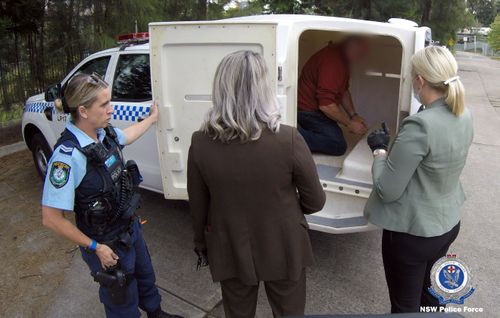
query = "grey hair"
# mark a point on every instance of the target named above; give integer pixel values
(243, 99)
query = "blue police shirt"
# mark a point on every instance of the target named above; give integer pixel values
(66, 169)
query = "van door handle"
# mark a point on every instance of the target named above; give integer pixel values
(48, 113)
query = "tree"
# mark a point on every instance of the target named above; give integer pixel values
(445, 18)
(484, 10)
(282, 6)
(494, 36)
(46, 38)
(23, 21)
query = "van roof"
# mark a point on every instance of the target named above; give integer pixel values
(288, 19)
(271, 18)
(295, 18)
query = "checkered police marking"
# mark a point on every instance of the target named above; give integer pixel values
(121, 112)
(38, 107)
(130, 112)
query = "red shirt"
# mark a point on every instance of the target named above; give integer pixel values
(324, 79)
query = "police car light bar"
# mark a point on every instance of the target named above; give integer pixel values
(133, 37)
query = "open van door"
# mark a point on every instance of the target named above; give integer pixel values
(184, 58)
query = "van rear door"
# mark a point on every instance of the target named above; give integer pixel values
(184, 58)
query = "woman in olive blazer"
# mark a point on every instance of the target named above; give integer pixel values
(250, 182)
(417, 196)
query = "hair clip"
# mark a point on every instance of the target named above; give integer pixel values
(451, 79)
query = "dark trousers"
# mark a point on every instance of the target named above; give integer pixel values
(141, 292)
(408, 260)
(321, 134)
(287, 298)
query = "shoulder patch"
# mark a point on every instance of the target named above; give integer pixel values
(66, 150)
(59, 174)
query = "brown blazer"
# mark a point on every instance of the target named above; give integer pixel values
(245, 206)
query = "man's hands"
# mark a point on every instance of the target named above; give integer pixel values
(357, 126)
(359, 119)
(106, 255)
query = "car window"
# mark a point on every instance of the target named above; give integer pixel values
(132, 80)
(98, 65)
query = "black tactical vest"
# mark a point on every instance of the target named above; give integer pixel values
(105, 190)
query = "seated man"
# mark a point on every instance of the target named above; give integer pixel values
(324, 100)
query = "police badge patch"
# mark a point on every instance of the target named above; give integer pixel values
(450, 280)
(59, 174)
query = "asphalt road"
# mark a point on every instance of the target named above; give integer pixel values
(347, 277)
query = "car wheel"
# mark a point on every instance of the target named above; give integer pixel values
(41, 154)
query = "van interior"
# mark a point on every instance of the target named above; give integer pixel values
(374, 86)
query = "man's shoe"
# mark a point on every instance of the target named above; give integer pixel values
(159, 313)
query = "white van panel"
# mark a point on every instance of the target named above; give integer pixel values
(184, 58)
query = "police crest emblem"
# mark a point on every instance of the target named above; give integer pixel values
(450, 280)
(59, 174)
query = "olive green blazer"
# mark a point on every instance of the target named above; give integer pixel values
(416, 189)
(248, 202)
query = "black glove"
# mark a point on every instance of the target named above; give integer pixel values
(379, 139)
(202, 257)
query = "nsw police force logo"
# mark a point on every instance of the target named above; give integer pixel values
(450, 280)
(59, 174)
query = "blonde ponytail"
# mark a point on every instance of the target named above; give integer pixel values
(58, 105)
(439, 69)
(455, 97)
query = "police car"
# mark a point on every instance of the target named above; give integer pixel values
(184, 57)
(126, 68)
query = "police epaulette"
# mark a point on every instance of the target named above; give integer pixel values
(66, 150)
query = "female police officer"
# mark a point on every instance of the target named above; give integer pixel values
(87, 175)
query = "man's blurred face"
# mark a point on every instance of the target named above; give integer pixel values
(356, 49)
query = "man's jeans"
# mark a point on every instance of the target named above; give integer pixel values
(321, 133)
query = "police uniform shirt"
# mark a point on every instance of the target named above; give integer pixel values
(67, 167)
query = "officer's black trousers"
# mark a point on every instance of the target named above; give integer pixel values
(408, 260)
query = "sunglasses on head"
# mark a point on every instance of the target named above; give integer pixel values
(96, 79)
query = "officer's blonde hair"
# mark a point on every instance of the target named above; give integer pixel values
(243, 99)
(81, 90)
(439, 69)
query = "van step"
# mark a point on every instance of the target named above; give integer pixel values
(337, 223)
(329, 173)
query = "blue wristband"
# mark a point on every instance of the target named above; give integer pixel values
(93, 245)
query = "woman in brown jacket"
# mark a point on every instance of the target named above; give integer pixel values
(250, 182)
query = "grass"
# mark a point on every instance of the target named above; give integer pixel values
(496, 58)
(15, 113)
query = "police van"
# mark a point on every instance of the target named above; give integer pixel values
(177, 66)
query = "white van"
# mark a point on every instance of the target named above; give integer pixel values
(184, 57)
